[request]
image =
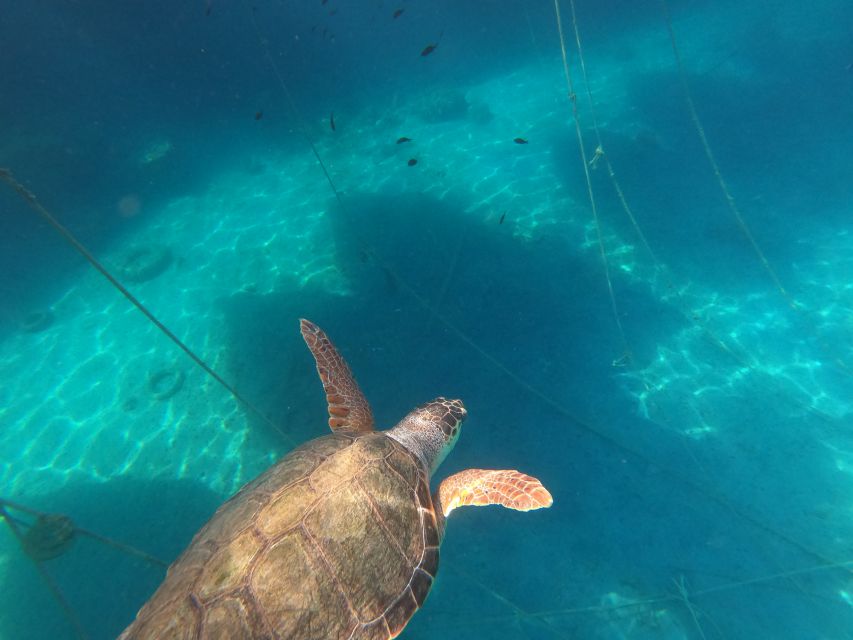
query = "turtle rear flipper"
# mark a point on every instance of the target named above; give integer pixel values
(480, 487)
(349, 411)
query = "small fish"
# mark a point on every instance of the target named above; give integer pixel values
(333, 11)
(428, 49)
(519, 141)
(324, 31)
(332, 120)
(208, 8)
(412, 162)
(398, 13)
(403, 139)
(503, 215)
(259, 115)
(324, 2)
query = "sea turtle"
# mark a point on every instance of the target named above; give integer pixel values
(338, 540)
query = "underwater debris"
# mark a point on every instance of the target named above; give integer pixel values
(332, 120)
(156, 151)
(598, 155)
(145, 263)
(165, 383)
(49, 537)
(403, 139)
(37, 321)
(519, 141)
(412, 162)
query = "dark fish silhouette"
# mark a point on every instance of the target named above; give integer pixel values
(333, 12)
(332, 120)
(503, 215)
(428, 49)
(520, 141)
(412, 162)
(324, 2)
(259, 115)
(403, 139)
(398, 13)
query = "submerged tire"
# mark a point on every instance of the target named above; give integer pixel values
(37, 321)
(165, 383)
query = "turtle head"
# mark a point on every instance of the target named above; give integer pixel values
(431, 430)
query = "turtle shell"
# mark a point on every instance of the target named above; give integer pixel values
(337, 540)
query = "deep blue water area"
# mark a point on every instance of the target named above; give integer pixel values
(636, 270)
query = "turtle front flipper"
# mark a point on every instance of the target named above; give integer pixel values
(349, 411)
(480, 487)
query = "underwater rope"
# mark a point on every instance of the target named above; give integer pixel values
(696, 487)
(601, 154)
(15, 506)
(43, 573)
(35, 205)
(303, 127)
(700, 130)
(679, 595)
(22, 538)
(743, 359)
(590, 194)
(729, 198)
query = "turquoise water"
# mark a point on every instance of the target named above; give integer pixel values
(681, 382)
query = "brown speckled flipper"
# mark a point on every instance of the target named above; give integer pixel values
(348, 408)
(479, 487)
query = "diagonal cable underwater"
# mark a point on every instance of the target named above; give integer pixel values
(31, 200)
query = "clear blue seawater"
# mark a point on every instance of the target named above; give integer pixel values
(660, 328)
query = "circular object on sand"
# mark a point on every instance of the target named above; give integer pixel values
(48, 537)
(145, 263)
(165, 383)
(37, 321)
